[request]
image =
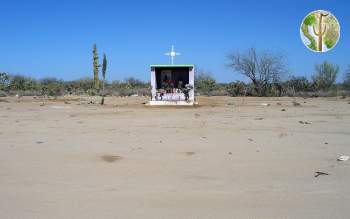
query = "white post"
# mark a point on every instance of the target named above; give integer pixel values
(191, 82)
(153, 83)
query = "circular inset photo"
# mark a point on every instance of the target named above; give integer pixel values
(320, 31)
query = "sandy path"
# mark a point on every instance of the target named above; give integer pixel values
(232, 157)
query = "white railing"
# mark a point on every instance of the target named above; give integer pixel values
(171, 97)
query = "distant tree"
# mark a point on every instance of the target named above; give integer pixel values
(4, 80)
(262, 69)
(17, 82)
(347, 77)
(325, 75)
(104, 69)
(204, 82)
(21, 83)
(96, 67)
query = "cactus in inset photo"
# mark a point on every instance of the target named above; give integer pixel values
(321, 30)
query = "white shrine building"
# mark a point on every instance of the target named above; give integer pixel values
(172, 84)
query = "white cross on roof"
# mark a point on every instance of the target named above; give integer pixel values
(172, 54)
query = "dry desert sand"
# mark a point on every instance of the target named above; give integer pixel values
(238, 157)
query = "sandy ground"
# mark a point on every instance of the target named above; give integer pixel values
(227, 158)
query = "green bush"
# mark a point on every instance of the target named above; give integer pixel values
(236, 88)
(52, 87)
(21, 83)
(4, 80)
(84, 84)
(347, 78)
(3, 93)
(297, 84)
(205, 83)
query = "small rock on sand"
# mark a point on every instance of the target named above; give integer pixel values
(190, 153)
(303, 122)
(110, 158)
(296, 103)
(318, 173)
(343, 158)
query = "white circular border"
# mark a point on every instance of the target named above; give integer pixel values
(301, 32)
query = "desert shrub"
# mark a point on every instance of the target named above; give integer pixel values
(31, 93)
(21, 83)
(92, 92)
(343, 93)
(219, 90)
(204, 83)
(347, 78)
(79, 86)
(133, 83)
(325, 75)
(4, 80)
(3, 93)
(324, 93)
(124, 92)
(297, 84)
(52, 87)
(115, 85)
(144, 92)
(273, 90)
(130, 86)
(17, 82)
(130, 83)
(250, 90)
(237, 88)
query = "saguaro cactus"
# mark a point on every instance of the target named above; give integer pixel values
(104, 69)
(95, 67)
(321, 30)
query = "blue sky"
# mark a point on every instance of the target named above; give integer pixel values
(55, 37)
